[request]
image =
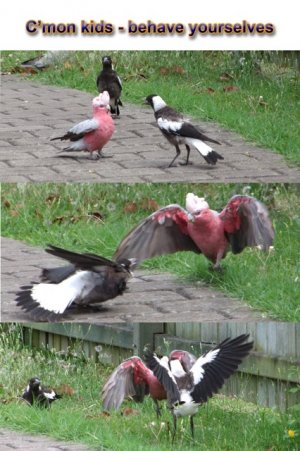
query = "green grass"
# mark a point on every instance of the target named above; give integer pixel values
(62, 214)
(190, 81)
(222, 424)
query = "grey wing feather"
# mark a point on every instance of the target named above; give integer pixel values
(256, 227)
(89, 125)
(151, 237)
(118, 387)
(58, 274)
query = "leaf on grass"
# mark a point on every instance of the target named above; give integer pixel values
(52, 198)
(96, 215)
(37, 213)
(6, 203)
(127, 411)
(225, 76)
(99, 415)
(262, 102)
(14, 213)
(178, 69)
(66, 389)
(164, 71)
(24, 70)
(209, 90)
(58, 219)
(130, 207)
(67, 65)
(149, 204)
(230, 88)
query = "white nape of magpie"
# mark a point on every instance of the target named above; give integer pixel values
(36, 394)
(108, 80)
(89, 279)
(188, 389)
(178, 131)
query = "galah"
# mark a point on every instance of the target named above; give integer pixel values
(188, 389)
(88, 279)
(91, 135)
(179, 130)
(37, 395)
(243, 222)
(133, 379)
(108, 80)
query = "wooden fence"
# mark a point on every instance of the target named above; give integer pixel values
(269, 377)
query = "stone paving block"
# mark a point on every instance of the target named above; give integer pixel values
(10, 439)
(33, 113)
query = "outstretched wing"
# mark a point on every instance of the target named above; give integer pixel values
(121, 384)
(163, 232)
(82, 261)
(212, 369)
(161, 370)
(247, 223)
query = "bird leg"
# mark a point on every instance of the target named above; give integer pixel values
(216, 268)
(174, 429)
(192, 425)
(217, 264)
(176, 156)
(188, 150)
(100, 155)
(157, 408)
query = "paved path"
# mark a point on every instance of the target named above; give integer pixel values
(33, 113)
(151, 296)
(10, 440)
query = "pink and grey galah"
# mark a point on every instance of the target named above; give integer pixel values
(91, 135)
(243, 222)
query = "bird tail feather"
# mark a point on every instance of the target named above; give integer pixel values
(210, 155)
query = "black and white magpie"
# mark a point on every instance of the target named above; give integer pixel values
(187, 388)
(108, 80)
(178, 131)
(36, 394)
(89, 279)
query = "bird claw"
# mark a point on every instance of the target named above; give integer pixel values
(101, 155)
(184, 163)
(217, 268)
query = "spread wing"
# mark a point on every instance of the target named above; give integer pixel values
(82, 261)
(212, 369)
(247, 223)
(161, 370)
(120, 385)
(163, 232)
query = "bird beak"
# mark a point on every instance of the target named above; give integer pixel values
(133, 262)
(191, 217)
(145, 102)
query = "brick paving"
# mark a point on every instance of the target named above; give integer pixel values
(32, 113)
(10, 440)
(151, 296)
